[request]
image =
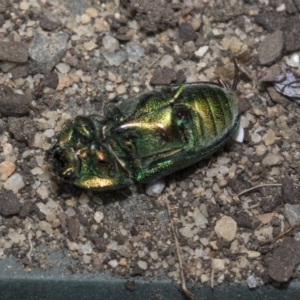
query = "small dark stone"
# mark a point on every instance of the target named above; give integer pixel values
(152, 15)
(133, 231)
(14, 51)
(20, 71)
(213, 210)
(290, 6)
(163, 76)
(277, 97)
(222, 244)
(271, 21)
(73, 228)
(270, 50)
(244, 220)
(51, 80)
(136, 271)
(238, 184)
(12, 104)
(83, 220)
(284, 260)
(297, 4)
(46, 50)
(122, 37)
(290, 193)
(119, 239)
(292, 34)
(129, 285)
(187, 33)
(180, 77)
(48, 24)
(2, 20)
(271, 204)
(244, 105)
(99, 244)
(224, 13)
(23, 129)
(27, 209)
(9, 204)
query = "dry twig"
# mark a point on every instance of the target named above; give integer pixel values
(280, 235)
(188, 293)
(257, 187)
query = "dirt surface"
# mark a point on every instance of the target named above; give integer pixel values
(60, 59)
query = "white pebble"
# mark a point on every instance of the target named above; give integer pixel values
(14, 183)
(293, 61)
(251, 282)
(43, 192)
(85, 19)
(98, 216)
(63, 68)
(155, 188)
(110, 44)
(113, 263)
(142, 264)
(166, 61)
(201, 51)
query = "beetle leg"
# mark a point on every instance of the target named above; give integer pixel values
(165, 167)
(236, 76)
(95, 182)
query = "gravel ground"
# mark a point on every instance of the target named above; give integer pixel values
(60, 59)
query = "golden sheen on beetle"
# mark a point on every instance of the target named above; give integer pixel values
(145, 137)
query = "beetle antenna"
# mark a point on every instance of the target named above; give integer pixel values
(236, 75)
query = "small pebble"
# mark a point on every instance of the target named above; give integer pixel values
(85, 19)
(142, 264)
(98, 216)
(63, 68)
(293, 61)
(154, 255)
(261, 150)
(201, 51)
(269, 137)
(186, 232)
(89, 46)
(271, 159)
(45, 226)
(121, 89)
(110, 44)
(113, 263)
(72, 245)
(166, 61)
(43, 192)
(218, 264)
(86, 259)
(24, 5)
(200, 219)
(115, 59)
(265, 218)
(123, 262)
(251, 282)
(155, 188)
(226, 228)
(134, 52)
(85, 248)
(92, 12)
(6, 169)
(14, 183)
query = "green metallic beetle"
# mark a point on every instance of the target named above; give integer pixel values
(146, 137)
